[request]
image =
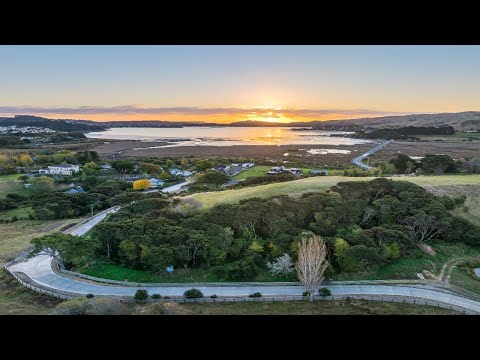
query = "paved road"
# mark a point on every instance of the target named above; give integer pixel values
(39, 269)
(81, 229)
(358, 160)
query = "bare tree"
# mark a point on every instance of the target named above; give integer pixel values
(312, 262)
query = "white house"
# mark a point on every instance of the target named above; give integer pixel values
(179, 172)
(156, 183)
(248, 165)
(62, 169)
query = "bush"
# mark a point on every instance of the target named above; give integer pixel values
(242, 270)
(306, 293)
(166, 297)
(214, 296)
(141, 295)
(323, 292)
(193, 294)
(156, 296)
(77, 306)
(255, 295)
(89, 296)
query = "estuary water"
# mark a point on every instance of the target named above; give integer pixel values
(227, 136)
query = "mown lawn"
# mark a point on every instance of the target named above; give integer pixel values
(352, 307)
(260, 170)
(18, 300)
(117, 272)
(318, 183)
(10, 177)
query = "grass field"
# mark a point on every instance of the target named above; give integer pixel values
(11, 177)
(20, 213)
(117, 272)
(18, 300)
(471, 209)
(11, 186)
(457, 137)
(261, 170)
(16, 236)
(317, 184)
(461, 277)
(353, 307)
(258, 170)
(407, 267)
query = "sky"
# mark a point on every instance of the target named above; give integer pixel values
(234, 83)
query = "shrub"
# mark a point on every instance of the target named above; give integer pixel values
(306, 293)
(255, 295)
(89, 296)
(323, 292)
(141, 295)
(166, 297)
(214, 296)
(193, 294)
(242, 270)
(77, 306)
(156, 296)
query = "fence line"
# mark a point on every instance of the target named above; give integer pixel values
(37, 289)
(234, 299)
(396, 299)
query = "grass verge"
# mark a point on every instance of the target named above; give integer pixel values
(16, 236)
(352, 307)
(18, 300)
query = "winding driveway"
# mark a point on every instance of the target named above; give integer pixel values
(358, 159)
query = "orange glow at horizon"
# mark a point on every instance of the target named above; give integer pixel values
(267, 114)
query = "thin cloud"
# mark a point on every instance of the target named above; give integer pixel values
(139, 110)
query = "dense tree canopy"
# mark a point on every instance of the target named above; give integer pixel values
(364, 224)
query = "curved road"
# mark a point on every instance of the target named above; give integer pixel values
(39, 269)
(358, 159)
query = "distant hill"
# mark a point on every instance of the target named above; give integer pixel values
(462, 121)
(469, 120)
(58, 125)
